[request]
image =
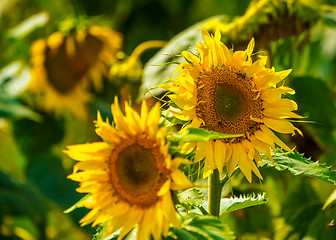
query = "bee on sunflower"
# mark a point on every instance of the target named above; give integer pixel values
(227, 92)
(130, 175)
(64, 64)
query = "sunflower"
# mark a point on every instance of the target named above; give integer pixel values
(62, 65)
(130, 175)
(228, 93)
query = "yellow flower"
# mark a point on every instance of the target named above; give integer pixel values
(63, 64)
(130, 175)
(226, 92)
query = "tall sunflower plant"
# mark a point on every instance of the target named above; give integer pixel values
(159, 173)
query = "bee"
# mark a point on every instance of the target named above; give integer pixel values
(243, 75)
(331, 224)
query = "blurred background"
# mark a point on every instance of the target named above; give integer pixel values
(34, 190)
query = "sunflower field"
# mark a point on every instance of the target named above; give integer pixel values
(168, 119)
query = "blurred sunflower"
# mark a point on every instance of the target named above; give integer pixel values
(62, 65)
(130, 175)
(226, 92)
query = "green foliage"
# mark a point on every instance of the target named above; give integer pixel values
(17, 198)
(99, 233)
(11, 107)
(236, 203)
(163, 64)
(199, 134)
(79, 204)
(202, 228)
(306, 215)
(316, 100)
(48, 132)
(330, 200)
(297, 165)
(191, 197)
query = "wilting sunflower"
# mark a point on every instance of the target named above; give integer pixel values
(130, 175)
(62, 65)
(227, 93)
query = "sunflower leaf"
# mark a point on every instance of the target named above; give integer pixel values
(297, 165)
(191, 197)
(207, 227)
(235, 203)
(99, 234)
(330, 199)
(81, 203)
(201, 135)
(10, 107)
(18, 198)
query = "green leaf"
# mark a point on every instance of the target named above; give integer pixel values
(47, 172)
(183, 234)
(329, 17)
(10, 107)
(29, 25)
(161, 66)
(47, 133)
(323, 111)
(236, 203)
(80, 203)
(207, 227)
(199, 134)
(191, 197)
(297, 164)
(99, 234)
(331, 198)
(17, 198)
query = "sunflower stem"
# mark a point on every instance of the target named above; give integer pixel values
(215, 190)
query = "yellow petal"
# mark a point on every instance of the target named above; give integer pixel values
(233, 162)
(200, 151)
(262, 147)
(90, 165)
(206, 35)
(96, 147)
(209, 154)
(179, 180)
(250, 47)
(79, 156)
(280, 125)
(165, 188)
(269, 132)
(244, 162)
(256, 170)
(264, 138)
(146, 223)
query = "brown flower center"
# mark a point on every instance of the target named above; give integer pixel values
(65, 72)
(138, 171)
(226, 100)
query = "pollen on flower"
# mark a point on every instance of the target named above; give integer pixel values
(137, 171)
(226, 100)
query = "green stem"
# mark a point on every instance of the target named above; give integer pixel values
(215, 191)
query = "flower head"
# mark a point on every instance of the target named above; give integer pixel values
(228, 93)
(130, 175)
(62, 65)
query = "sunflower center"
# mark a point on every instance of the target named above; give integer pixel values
(65, 71)
(134, 171)
(138, 171)
(226, 100)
